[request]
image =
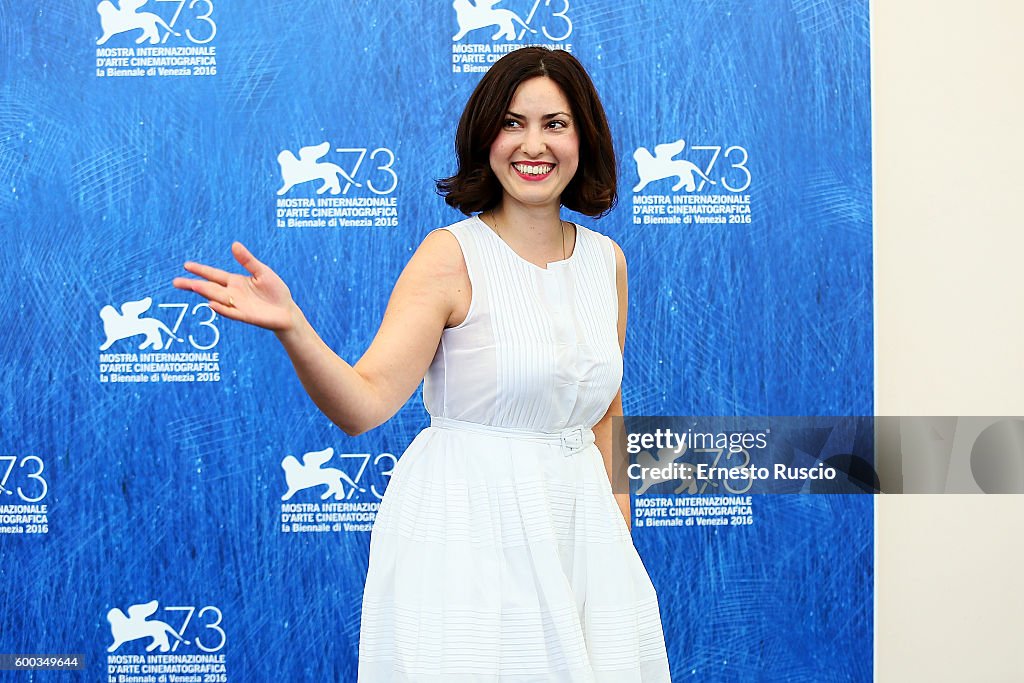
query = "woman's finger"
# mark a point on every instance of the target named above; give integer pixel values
(226, 311)
(220, 299)
(247, 260)
(183, 283)
(208, 272)
(209, 290)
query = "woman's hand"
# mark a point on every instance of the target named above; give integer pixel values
(261, 298)
(360, 397)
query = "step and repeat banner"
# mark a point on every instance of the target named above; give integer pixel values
(172, 505)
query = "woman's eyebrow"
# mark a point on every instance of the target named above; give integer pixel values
(514, 115)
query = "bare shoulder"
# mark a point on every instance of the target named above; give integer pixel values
(622, 291)
(439, 268)
(439, 255)
(620, 258)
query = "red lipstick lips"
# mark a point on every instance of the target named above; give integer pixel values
(532, 166)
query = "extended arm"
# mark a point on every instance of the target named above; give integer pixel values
(357, 398)
(603, 429)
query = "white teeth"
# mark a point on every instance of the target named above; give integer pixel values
(533, 170)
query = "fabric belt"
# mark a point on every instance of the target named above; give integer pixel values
(571, 441)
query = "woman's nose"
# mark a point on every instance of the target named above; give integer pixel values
(533, 143)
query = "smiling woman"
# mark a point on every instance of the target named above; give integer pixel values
(490, 109)
(536, 154)
(500, 552)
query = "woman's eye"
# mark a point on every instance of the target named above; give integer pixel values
(511, 123)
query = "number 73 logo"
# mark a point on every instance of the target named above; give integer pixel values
(32, 468)
(136, 624)
(307, 167)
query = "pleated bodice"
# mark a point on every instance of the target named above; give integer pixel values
(539, 347)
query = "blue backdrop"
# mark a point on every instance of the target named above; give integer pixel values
(142, 438)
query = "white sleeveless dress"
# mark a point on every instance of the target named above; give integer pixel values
(498, 553)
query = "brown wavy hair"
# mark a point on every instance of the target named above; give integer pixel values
(474, 187)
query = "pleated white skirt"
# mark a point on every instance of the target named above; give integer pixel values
(501, 556)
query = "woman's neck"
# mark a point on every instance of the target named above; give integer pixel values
(538, 235)
(537, 230)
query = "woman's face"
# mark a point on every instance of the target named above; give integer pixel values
(537, 151)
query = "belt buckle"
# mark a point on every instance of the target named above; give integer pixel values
(572, 441)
